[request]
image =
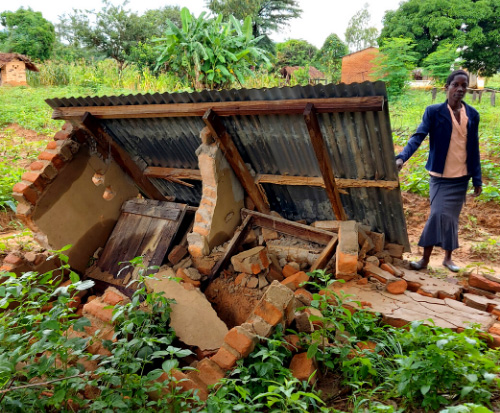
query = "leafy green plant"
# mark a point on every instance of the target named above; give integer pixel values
(262, 382)
(210, 52)
(35, 345)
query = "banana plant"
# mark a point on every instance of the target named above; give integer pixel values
(210, 52)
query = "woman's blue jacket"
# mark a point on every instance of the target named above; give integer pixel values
(437, 123)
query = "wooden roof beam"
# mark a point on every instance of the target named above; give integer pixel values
(234, 158)
(256, 107)
(324, 163)
(172, 174)
(121, 157)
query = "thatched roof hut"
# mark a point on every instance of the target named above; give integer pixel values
(314, 74)
(13, 69)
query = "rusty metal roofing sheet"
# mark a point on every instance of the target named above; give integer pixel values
(359, 144)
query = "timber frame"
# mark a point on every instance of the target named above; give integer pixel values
(88, 119)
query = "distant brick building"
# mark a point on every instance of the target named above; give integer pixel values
(13, 69)
(359, 66)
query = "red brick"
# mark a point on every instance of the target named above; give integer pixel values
(37, 166)
(495, 329)
(96, 308)
(225, 358)
(13, 259)
(177, 254)
(35, 178)
(112, 297)
(493, 341)
(268, 312)
(185, 278)
(396, 287)
(239, 279)
(201, 354)
(52, 145)
(478, 281)
(295, 280)
(292, 343)
(209, 372)
(362, 281)
(61, 135)
(187, 384)
(200, 230)
(304, 296)
(7, 268)
(302, 368)
(241, 342)
(289, 270)
(54, 158)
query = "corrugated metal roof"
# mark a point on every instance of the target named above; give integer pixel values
(359, 144)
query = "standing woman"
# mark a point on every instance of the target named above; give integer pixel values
(453, 159)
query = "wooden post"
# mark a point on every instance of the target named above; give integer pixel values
(234, 158)
(325, 166)
(122, 158)
(492, 99)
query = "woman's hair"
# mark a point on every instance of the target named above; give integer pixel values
(456, 73)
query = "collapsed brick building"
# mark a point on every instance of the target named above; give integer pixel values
(237, 193)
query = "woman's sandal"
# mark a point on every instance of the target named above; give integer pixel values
(418, 265)
(452, 267)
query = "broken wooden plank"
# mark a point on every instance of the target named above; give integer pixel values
(325, 166)
(326, 255)
(238, 236)
(256, 107)
(285, 226)
(319, 182)
(195, 175)
(234, 158)
(137, 234)
(170, 210)
(121, 157)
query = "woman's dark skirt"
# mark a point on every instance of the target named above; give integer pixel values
(447, 196)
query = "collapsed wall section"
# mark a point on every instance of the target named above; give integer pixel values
(61, 204)
(222, 200)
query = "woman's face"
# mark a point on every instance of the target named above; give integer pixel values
(457, 88)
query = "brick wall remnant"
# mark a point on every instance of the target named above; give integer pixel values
(221, 202)
(59, 202)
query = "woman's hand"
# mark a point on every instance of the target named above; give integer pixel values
(477, 190)
(399, 164)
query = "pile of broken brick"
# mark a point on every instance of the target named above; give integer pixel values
(275, 267)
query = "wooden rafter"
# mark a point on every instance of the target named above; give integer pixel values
(284, 226)
(258, 107)
(324, 163)
(121, 157)
(194, 175)
(234, 158)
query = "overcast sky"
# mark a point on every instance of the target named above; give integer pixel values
(319, 17)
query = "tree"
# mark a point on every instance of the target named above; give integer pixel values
(295, 52)
(267, 15)
(210, 52)
(394, 64)
(330, 56)
(472, 25)
(116, 32)
(28, 33)
(358, 34)
(440, 63)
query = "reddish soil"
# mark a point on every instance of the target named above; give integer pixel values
(233, 303)
(479, 223)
